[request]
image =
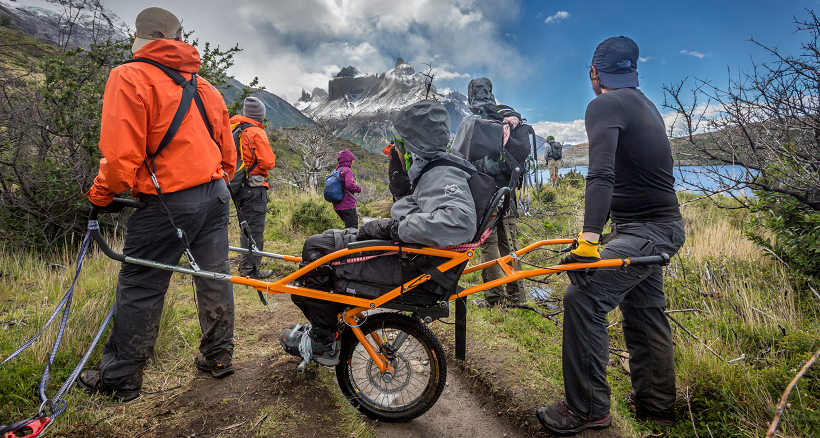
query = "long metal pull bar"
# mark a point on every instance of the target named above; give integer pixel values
(271, 255)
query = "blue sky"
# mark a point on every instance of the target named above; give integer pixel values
(714, 35)
(538, 67)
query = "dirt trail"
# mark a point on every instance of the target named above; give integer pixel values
(267, 397)
(458, 413)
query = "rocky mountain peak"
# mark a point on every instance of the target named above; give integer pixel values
(403, 68)
(349, 72)
(368, 102)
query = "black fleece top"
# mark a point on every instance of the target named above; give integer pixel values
(630, 162)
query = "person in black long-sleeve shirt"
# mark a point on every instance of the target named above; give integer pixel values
(629, 180)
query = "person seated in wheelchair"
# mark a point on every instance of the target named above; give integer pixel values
(436, 210)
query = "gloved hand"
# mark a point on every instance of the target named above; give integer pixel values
(386, 229)
(397, 174)
(586, 252)
(112, 207)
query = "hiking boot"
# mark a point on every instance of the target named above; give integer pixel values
(325, 353)
(90, 381)
(219, 368)
(559, 419)
(263, 274)
(290, 338)
(663, 419)
(484, 304)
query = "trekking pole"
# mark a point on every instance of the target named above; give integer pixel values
(354, 198)
(246, 230)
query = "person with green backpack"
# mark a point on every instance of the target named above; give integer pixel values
(250, 190)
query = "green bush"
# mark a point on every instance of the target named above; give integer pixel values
(795, 227)
(573, 178)
(313, 217)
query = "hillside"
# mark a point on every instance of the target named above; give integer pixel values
(47, 20)
(280, 113)
(682, 152)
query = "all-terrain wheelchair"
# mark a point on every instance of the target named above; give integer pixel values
(392, 366)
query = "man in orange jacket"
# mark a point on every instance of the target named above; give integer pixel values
(139, 104)
(252, 198)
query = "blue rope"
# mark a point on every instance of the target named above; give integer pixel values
(57, 405)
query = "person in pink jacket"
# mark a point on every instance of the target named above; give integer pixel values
(346, 208)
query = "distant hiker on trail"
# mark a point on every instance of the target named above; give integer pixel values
(440, 211)
(139, 105)
(630, 178)
(554, 155)
(252, 197)
(502, 240)
(346, 208)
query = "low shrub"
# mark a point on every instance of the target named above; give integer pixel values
(314, 216)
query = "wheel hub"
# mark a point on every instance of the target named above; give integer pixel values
(387, 383)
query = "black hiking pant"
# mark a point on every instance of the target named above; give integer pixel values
(639, 293)
(252, 203)
(202, 212)
(349, 217)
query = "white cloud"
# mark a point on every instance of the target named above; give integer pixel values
(290, 46)
(695, 54)
(645, 59)
(574, 132)
(441, 74)
(559, 16)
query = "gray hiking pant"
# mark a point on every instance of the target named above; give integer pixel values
(501, 242)
(252, 203)
(648, 336)
(202, 212)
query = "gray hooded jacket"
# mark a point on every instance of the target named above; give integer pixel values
(440, 211)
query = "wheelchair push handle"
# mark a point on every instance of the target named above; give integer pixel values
(95, 230)
(661, 260)
(133, 203)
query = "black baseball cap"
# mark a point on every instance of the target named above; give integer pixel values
(616, 60)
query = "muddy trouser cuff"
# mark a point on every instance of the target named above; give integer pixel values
(253, 204)
(202, 212)
(648, 336)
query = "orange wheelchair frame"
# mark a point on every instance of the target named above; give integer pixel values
(381, 356)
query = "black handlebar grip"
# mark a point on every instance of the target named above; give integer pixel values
(133, 203)
(661, 260)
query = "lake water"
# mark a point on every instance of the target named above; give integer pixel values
(703, 176)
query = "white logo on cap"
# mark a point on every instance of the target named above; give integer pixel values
(625, 63)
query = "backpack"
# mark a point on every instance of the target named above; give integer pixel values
(240, 178)
(556, 151)
(480, 140)
(334, 188)
(482, 186)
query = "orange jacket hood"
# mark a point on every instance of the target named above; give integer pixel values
(174, 54)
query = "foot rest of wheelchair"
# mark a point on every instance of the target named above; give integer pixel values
(378, 242)
(434, 312)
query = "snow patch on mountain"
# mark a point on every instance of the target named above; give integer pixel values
(52, 20)
(367, 103)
